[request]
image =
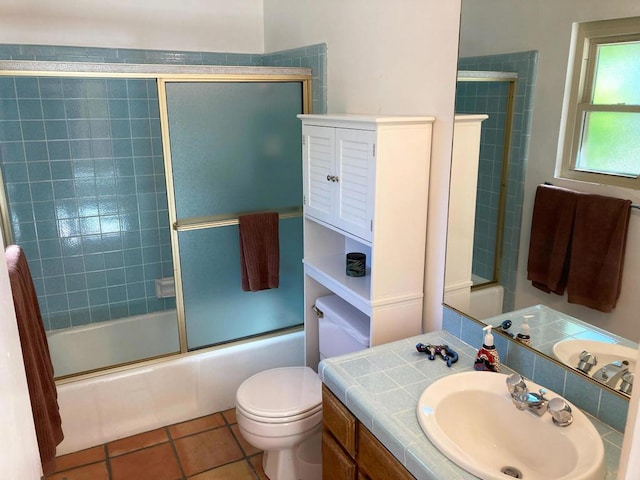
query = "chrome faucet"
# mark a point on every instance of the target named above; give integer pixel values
(627, 383)
(523, 399)
(586, 361)
(560, 412)
(612, 372)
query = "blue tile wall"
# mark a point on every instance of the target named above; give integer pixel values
(491, 98)
(590, 397)
(83, 170)
(314, 57)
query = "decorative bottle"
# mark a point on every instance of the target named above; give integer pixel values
(487, 358)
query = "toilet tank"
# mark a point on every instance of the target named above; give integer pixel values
(342, 328)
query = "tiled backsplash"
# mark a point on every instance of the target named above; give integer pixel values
(598, 401)
(83, 169)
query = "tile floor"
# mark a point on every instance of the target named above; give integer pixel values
(206, 448)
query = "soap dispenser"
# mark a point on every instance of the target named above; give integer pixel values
(487, 358)
(523, 336)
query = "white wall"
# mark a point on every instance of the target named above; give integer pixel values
(392, 58)
(193, 25)
(503, 26)
(20, 457)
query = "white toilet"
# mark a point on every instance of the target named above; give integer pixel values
(277, 410)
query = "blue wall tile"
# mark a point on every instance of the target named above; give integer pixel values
(83, 156)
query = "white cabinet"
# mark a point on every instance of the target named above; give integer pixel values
(365, 190)
(339, 173)
(462, 210)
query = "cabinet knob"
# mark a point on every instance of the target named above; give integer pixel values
(328, 178)
(335, 179)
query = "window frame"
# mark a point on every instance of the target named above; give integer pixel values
(585, 39)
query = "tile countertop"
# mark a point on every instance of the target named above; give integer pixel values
(381, 386)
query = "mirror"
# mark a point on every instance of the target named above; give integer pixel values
(532, 40)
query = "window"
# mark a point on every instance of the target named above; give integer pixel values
(602, 114)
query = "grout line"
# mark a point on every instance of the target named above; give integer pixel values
(107, 461)
(175, 453)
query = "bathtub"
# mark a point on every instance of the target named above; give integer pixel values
(99, 345)
(113, 405)
(486, 302)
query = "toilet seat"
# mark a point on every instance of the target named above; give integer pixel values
(280, 395)
(274, 420)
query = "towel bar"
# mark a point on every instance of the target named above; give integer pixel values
(215, 221)
(633, 205)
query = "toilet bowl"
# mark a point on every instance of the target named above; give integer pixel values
(277, 410)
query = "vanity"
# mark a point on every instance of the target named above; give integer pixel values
(371, 430)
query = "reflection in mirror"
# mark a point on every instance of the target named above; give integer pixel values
(533, 42)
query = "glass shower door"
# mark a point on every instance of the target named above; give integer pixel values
(234, 148)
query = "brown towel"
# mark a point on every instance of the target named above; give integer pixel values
(259, 251)
(37, 361)
(597, 254)
(550, 243)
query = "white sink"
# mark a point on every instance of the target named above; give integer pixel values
(568, 352)
(471, 419)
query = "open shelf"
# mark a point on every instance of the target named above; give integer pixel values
(330, 272)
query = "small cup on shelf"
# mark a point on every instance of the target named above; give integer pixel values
(356, 264)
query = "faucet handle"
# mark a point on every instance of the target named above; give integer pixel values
(560, 411)
(516, 385)
(586, 361)
(627, 383)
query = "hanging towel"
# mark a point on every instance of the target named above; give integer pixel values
(259, 251)
(597, 255)
(37, 361)
(550, 244)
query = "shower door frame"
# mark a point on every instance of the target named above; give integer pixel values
(511, 79)
(214, 220)
(161, 73)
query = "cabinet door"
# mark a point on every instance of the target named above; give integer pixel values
(355, 181)
(375, 461)
(319, 167)
(336, 464)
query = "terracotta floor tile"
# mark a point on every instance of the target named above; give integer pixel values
(136, 442)
(207, 450)
(230, 416)
(95, 471)
(196, 425)
(256, 461)
(154, 463)
(234, 471)
(83, 457)
(246, 446)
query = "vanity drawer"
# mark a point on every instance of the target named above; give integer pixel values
(336, 464)
(339, 421)
(375, 461)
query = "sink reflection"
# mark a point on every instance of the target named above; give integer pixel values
(609, 363)
(471, 418)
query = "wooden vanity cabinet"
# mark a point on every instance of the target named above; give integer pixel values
(349, 450)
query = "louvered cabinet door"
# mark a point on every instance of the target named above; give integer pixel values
(355, 181)
(319, 168)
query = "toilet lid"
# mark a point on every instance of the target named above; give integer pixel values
(280, 392)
